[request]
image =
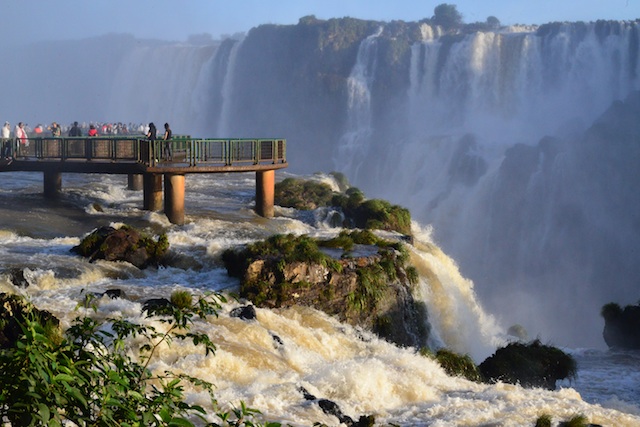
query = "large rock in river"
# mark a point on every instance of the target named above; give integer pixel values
(370, 289)
(123, 244)
(621, 326)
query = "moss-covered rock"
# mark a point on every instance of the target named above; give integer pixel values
(302, 195)
(374, 214)
(123, 244)
(530, 365)
(363, 284)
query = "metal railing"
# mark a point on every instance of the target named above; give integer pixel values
(181, 151)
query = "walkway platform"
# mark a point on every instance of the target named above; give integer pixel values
(143, 161)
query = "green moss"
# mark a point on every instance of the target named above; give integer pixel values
(458, 365)
(301, 194)
(543, 420)
(360, 213)
(88, 245)
(372, 281)
(412, 274)
(576, 421)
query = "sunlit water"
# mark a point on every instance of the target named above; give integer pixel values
(265, 362)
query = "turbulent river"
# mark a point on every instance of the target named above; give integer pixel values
(361, 373)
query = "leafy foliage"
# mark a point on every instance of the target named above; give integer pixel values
(89, 378)
(447, 16)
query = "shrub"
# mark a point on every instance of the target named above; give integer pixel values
(458, 365)
(89, 378)
(543, 420)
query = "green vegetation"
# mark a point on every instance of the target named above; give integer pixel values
(543, 420)
(367, 214)
(123, 244)
(530, 365)
(281, 251)
(302, 195)
(576, 421)
(87, 377)
(372, 282)
(455, 364)
(447, 16)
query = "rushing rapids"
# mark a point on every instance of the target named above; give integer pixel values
(362, 374)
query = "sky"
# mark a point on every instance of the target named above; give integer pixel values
(27, 21)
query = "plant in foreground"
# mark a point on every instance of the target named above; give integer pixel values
(89, 378)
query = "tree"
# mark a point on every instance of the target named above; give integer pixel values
(447, 16)
(493, 23)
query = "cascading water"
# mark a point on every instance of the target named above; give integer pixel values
(222, 130)
(353, 143)
(497, 206)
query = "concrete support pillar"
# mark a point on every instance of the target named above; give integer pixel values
(52, 184)
(152, 196)
(174, 198)
(135, 182)
(265, 189)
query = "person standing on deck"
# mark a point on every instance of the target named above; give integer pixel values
(75, 130)
(151, 140)
(55, 129)
(168, 152)
(22, 139)
(6, 141)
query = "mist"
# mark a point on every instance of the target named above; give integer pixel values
(517, 146)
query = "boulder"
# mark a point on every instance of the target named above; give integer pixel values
(247, 312)
(123, 244)
(530, 365)
(16, 276)
(621, 326)
(330, 407)
(370, 290)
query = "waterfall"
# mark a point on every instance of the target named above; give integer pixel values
(353, 143)
(227, 91)
(457, 320)
(521, 220)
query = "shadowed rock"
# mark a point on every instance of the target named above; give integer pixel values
(530, 365)
(247, 312)
(123, 244)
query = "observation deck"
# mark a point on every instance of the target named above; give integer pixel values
(148, 162)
